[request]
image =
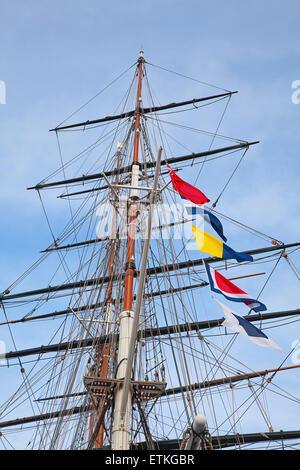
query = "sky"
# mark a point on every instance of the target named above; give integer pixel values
(55, 56)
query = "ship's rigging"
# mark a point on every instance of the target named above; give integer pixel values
(132, 360)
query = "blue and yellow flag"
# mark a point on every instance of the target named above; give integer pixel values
(211, 245)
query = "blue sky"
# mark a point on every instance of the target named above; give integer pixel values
(55, 55)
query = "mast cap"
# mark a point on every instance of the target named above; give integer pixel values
(141, 58)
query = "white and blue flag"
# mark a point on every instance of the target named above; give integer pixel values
(208, 217)
(239, 324)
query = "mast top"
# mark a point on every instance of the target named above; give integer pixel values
(141, 58)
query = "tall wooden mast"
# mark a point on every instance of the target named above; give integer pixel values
(121, 425)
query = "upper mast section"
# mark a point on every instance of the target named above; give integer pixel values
(141, 60)
(121, 425)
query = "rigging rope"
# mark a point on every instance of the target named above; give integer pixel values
(228, 181)
(213, 138)
(97, 94)
(185, 76)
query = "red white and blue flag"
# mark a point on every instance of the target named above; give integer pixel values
(186, 190)
(230, 291)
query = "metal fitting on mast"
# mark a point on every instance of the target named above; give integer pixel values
(141, 58)
(198, 437)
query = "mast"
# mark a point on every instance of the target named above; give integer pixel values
(143, 321)
(121, 425)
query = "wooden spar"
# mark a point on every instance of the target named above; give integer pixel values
(44, 416)
(74, 245)
(198, 385)
(170, 391)
(243, 277)
(121, 425)
(98, 240)
(224, 380)
(218, 442)
(227, 440)
(62, 196)
(148, 332)
(212, 259)
(143, 166)
(153, 109)
(201, 385)
(150, 271)
(54, 314)
(171, 290)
